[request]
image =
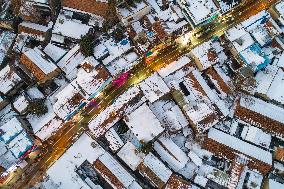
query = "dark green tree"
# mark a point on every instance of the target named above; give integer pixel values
(37, 107)
(87, 45)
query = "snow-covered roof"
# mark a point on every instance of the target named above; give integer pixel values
(154, 87)
(21, 103)
(280, 8)
(240, 146)
(111, 170)
(35, 26)
(174, 66)
(106, 119)
(157, 167)
(171, 153)
(200, 10)
(126, 12)
(91, 80)
(209, 53)
(10, 130)
(70, 61)
(20, 144)
(114, 140)
(63, 171)
(256, 136)
(235, 32)
(40, 60)
(276, 89)
(70, 27)
(54, 52)
(265, 109)
(228, 5)
(144, 124)
(6, 40)
(130, 155)
(243, 42)
(67, 100)
(275, 185)
(8, 79)
(49, 128)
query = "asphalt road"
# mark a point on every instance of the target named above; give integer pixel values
(59, 143)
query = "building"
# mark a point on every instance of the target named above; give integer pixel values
(10, 81)
(100, 8)
(129, 13)
(39, 64)
(207, 54)
(230, 147)
(15, 142)
(261, 114)
(154, 87)
(198, 12)
(155, 171)
(124, 104)
(144, 124)
(114, 173)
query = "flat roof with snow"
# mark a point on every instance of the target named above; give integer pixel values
(144, 124)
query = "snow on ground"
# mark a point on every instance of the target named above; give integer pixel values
(62, 172)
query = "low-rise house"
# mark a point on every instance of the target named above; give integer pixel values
(170, 115)
(40, 65)
(144, 124)
(130, 155)
(154, 87)
(198, 12)
(124, 104)
(226, 6)
(176, 181)
(21, 104)
(100, 8)
(129, 13)
(67, 101)
(270, 82)
(228, 146)
(10, 81)
(70, 62)
(92, 77)
(64, 172)
(54, 52)
(114, 140)
(15, 142)
(208, 54)
(67, 30)
(37, 31)
(154, 170)
(219, 80)
(114, 173)
(6, 40)
(169, 152)
(261, 114)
